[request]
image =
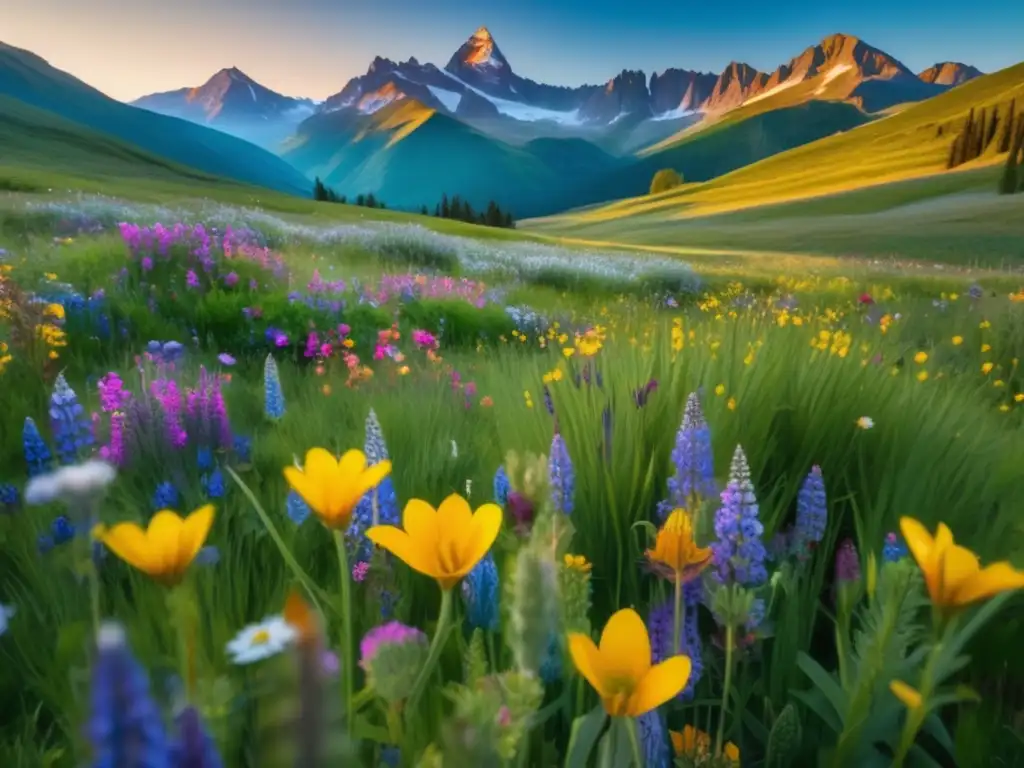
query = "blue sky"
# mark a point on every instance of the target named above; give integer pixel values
(127, 48)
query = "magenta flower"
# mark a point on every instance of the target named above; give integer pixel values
(191, 279)
(226, 359)
(424, 339)
(392, 633)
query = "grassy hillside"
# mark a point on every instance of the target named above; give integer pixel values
(728, 145)
(28, 78)
(410, 155)
(878, 190)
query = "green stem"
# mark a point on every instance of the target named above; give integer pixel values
(177, 604)
(348, 662)
(316, 594)
(436, 646)
(634, 743)
(730, 633)
(677, 628)
(916, 716)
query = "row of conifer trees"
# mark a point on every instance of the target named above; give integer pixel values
(999, 128)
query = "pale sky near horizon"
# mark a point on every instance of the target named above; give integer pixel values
(312, 48)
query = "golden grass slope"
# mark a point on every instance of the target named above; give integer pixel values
(903, 145)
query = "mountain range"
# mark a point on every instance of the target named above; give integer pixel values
(409, 132)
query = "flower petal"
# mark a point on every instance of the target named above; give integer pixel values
(128, 542)
(922, 548)
(662, 682)
(419, 520)
(588, 661)
(351, 465)
(311, 491)
(957, 566)
(989, 582)
(625, 646)
(405, 548)
(480, 536)
(194, 532)
(373, 476)
(162, 538)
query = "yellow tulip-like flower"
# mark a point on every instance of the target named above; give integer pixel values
(445, 543)
(696, 745)
(333, 487)
(620, 668)
(952, 573)
(910, 696)
(165, 548)
(676, 555)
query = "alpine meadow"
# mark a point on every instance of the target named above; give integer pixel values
(446, 416)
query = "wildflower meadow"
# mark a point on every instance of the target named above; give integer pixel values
(281, 493)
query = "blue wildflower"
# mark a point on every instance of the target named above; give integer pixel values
(379, 506)
(37, 454)
(661, 627)
(501, 486)
(811, 512)
(296, 508)
(71, 429)
(62, 530)
(242, 447)
(739, 553)
(551, 666)
(391, 756)
(165, 497)
(45, 543)
(480, 591)
(561, 475)
(8, 497)
(894, 549)
(213, 484)
(193, 748)
(273, 397)
(204, 459)
(124, 728)
(654, 741)
(208, 555)
(692, 460)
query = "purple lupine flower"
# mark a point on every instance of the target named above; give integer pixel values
(114, 451)
(166, 393)
(193, 748)
(811, 513)
(739, 553)
(561, 475)
(113, 395)
(124, 726)
(661, 627)
(692, 460)
(847, 562)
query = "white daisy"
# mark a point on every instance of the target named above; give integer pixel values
(70, 483)
(865, 422)
(261, 640)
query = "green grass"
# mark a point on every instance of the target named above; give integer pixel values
(940, 449)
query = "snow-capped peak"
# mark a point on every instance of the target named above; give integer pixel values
(480, 50)
(483, 34)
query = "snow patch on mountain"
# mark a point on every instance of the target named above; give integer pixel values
(524, 112)
(675, 114)
(777, 89)
(449, 99)
(831, 75)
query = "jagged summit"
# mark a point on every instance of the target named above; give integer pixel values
(483, 33)
(951, 73)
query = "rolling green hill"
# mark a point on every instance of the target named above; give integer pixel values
(409, 155)
(908, 144)
(28, 78)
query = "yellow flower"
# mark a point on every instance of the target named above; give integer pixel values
(921, 358)
(731, 403)
(620, 669)
(54, 310)
(696, 745)
(958, 340)
(445, 543)
(986, 347)
(675, 554)
(986, 368)
(1019, 397)
(577, 563)
(720, 390)
(332, 487)
(165, 549)
(910, 697)
(922, 375)
(952, 573)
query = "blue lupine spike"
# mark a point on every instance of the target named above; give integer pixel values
(296, 508)
(165, 497)
(501, 486)
(654, 741)
(273, 397)
(72, 431)
(562, 476)
(37, 453)
(811, 512)
(193, 748)
(739, 552)
(124, 727)
(692, 461)
(480, 591)
(214, 484)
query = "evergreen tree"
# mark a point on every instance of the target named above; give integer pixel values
(319, 191)
(371, 201)
(509, 223)
(423, 211)
(1009, 126)
(360, 200)
(1008, 182)
(343, 200)
(446, 211)
(978, 145)
(993, 124)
